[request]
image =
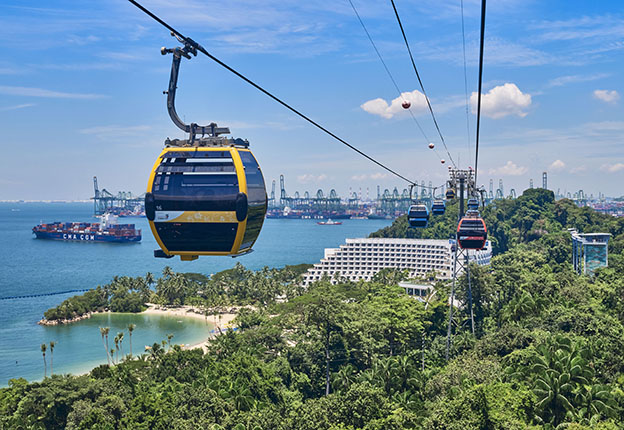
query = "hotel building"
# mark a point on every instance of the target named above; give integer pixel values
(361, 259)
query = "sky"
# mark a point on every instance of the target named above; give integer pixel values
(81, 92)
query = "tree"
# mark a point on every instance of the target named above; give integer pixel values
(116, 340)
(120, 335)
(561, 370)
(131, 328)
(52, 345)
(169, 337)
(104, 332)
(45, 365)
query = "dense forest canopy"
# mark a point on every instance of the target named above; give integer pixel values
(547, 352)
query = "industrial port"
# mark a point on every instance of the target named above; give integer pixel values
(360, 204)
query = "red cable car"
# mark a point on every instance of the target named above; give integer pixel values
(471, 232)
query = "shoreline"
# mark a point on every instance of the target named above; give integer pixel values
(45, 322)
(223, 319)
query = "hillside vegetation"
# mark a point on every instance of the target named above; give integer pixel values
(547, 352)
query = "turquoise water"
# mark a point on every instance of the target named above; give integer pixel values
(31, 266)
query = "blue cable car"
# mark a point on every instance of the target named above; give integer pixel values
(438, 207)
(450, 194)
(418, 215)
(473, 204)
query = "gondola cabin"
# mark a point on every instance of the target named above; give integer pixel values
(418, 216)
(472, 232)
(450, 194)
(205, 201)
(438, 207)
(473, 204)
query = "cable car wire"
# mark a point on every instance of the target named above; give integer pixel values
(465, 77)
(480, 85)
(201, 49)
(386, 67)
(396, 13)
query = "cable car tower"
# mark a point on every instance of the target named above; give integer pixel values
(462, 183)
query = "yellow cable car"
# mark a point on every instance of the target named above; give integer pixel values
(205, 201)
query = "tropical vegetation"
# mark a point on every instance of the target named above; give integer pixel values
(546, 352)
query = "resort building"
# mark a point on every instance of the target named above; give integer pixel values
(361, 259)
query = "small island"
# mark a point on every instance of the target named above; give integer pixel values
(224, 292)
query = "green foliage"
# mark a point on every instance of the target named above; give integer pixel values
(546, 352)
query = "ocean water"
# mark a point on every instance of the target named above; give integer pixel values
(31, 266)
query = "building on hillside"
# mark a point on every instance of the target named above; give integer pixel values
(419, 291)
(589, 251)
(362, 259)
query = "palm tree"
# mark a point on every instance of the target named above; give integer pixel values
(52, 345)
(146, 288)
(116, 340)
(120, 335)
(106, 331)
(167, 272)
(169, 337)
(112, 354)
(149, 278)
(343, 378)
(594, 403)
(45, 365)
(131, 329)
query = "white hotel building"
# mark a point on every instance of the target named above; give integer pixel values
(361, 259)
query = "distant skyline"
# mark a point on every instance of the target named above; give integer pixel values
(81, 92)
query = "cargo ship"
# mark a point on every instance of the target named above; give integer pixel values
(106, 231)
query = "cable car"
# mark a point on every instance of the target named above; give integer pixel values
(450, 194)
(205, 194)
(205, 201)
(418, 215)
(471, 232)
(438, 207)
(473, 204)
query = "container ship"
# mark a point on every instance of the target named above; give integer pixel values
(106, 231)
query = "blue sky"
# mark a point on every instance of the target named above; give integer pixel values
(81, 91)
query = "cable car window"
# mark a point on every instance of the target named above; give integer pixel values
(218, 237)
(198, 154)
(256, 194)
(221, 167)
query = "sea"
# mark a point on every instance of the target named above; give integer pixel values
(32, 266)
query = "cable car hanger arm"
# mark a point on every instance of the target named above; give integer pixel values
(192, 128)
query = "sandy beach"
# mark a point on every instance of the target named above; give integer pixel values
(223, 320)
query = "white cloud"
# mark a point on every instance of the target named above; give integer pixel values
(363, 177)
(501, 101)
(509, 169)
(310, 178)
(40, 92)
(22, 106)
(573, 79)
(108, 132)
(380, 107)
(359, 177)
(613, 168)
(607, 96)
(557, 165)
(379, 175)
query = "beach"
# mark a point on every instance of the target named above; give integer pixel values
(223, 319)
